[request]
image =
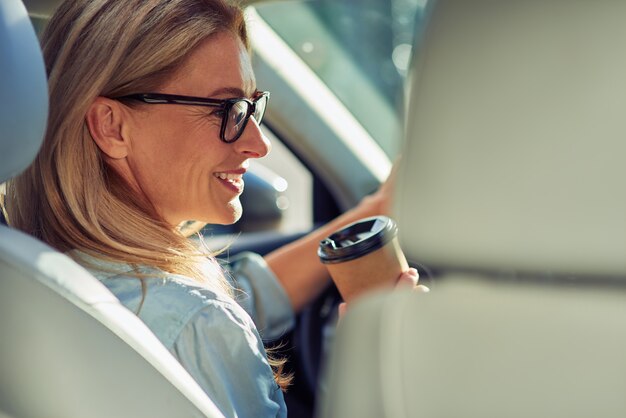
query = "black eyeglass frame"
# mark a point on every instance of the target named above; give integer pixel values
(225, 104)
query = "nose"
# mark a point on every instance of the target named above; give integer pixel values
(252, 142)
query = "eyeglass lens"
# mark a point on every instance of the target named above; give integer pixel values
(237, 114)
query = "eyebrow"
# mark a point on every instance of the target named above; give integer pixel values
(229, 91)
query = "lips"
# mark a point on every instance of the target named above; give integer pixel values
(231, 179)
(228, 176)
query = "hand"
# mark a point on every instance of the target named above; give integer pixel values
(379, 202)
(407, 280)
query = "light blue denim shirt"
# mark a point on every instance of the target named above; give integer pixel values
(217, 340)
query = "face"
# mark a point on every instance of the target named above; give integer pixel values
(176, 156)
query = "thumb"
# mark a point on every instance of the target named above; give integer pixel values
(343, 308)
(408, 279)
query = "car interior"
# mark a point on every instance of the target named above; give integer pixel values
(69, 348)
(511, 191)
(30, 394)
(508, 199)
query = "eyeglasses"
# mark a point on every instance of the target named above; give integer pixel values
(235, 112)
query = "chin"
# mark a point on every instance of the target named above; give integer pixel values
(230, 214)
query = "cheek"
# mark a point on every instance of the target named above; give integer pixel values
(173, 162)
(157, 151)
(160, 157)
(171, 141)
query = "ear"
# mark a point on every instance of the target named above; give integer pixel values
(105, 120)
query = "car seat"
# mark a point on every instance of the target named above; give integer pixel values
(511, 191)
(68, 348)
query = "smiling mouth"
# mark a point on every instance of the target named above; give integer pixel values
(233, 180)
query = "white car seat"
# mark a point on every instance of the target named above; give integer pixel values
(68, 348)
(512, 190)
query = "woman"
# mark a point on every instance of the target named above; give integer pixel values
(154, 117)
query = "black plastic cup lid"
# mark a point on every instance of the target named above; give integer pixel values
(357, 239)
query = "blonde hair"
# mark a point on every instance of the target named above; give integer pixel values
(69, 197)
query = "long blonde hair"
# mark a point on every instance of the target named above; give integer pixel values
(69, 197)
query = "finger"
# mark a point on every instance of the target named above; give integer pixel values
(390, 182)
(409, 278)
(342, 309)
(411, 273)
(420, 288)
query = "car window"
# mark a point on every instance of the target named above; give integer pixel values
(361, 53)
(296, 190)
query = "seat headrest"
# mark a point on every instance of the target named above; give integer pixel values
(516, 138)
(23, 90)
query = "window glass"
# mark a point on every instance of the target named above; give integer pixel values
(361, 50)
(296, 199)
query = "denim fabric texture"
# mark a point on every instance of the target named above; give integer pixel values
(216, 338)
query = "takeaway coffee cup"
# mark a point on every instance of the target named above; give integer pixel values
(363, 256)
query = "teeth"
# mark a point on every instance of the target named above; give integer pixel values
(228, 176)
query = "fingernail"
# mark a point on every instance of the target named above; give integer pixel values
(421, 289)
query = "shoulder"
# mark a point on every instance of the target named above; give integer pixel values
(170, 303)
(209, 333)
(165, 302)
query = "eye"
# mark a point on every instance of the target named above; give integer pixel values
(210, 115)
(214, 113)
(238, 112)
(238, 117)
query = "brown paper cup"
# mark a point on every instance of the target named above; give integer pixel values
(377, 269)
(363, 256)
